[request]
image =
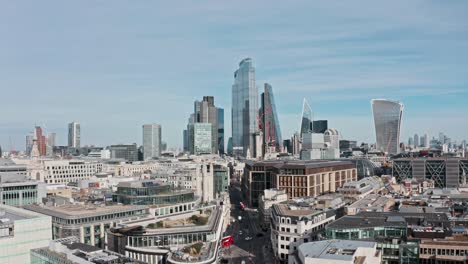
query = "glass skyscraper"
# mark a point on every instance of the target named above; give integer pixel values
(151, 141)
(244, 108)
(387, 120)
(221, 130)
(272, 140)
(307, 118)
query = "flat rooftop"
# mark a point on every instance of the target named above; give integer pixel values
(14, 213)
(333, 249)
(12, 178)
(81, 211)
(300, 163)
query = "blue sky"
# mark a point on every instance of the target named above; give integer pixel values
(114, 66)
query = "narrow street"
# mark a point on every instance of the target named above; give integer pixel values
(255, 250)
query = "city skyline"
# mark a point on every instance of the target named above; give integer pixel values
(338, 64)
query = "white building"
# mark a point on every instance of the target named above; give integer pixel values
(65, 171)
(337, 252)
(293, 224)
(20, 231)
(74, 135)
(266, 201)
(101, 154)
(151, 141)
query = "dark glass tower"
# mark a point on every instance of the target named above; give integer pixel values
(272, 141)
(221, 130)
(319, 126)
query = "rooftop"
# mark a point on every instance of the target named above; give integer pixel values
(333, 249)
(12, 213)
(393, 219)
(80, 211)
(300, 163)
(11, 177)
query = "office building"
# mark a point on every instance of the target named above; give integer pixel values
(206, 112)
(293, 224)
(185, 136)
(29, 144)
(152, 141)
(387, 121)
(221, 178)
(272, 140)
(221, 131)
(347, 145)
(411, 141)
(150, 192)
(244, 108)
(357, 190)
(20, 231)
(66, 171)
(306, 118)
(416, 142)
(297, 178)
(200, 138)
(266, 201)
(18, 190)
(74, 135)
(337, 252)
(51, 139)
(319, 126)
(296, 144)
(229, 147)
(89, 223)
(70, 250)
(332, 138)
(390, 230)
(41, 141)
(445, 172)
(125, 152)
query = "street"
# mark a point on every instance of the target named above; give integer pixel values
(256, 250)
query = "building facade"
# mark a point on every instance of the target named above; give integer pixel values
(200, 138)
(293, 224)
(74, 135)
(297, 178)
(152, 140)
(387, 121)
(18, 190)
(319, 126)
(20, 231)
(88, 223)
(272, 140)
(445, 172)
(125, 152)
(66, 171)
(244, 108)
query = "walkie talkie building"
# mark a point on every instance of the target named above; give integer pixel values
(387, 120)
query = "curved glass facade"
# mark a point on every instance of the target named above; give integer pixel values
(270, 124)
(244, 108)
(307, 118)
(387, 120)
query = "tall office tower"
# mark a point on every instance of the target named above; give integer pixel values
(200, 138)
(206, 112)
(287, 146)
(272, 141)
(319, 126)
(74, 135)
(244, 108)
(185, 140)
(416, 140)
(410, 141)
(387, 120)
(221, 130)
(152, 140)
(306, 119)
(29, 143)
(41, 141)
(229, 147)
(425, 142)
(51, 138)
(296, 143)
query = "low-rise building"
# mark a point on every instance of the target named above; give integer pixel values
(70, 250)
(20, 231)
(357, 190)
(371, 203)
(88, 222)
(294, 223)
(266, 201)
(18, 190)
(66, 171)
(337, 252)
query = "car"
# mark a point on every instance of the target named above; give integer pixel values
(248, 238)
